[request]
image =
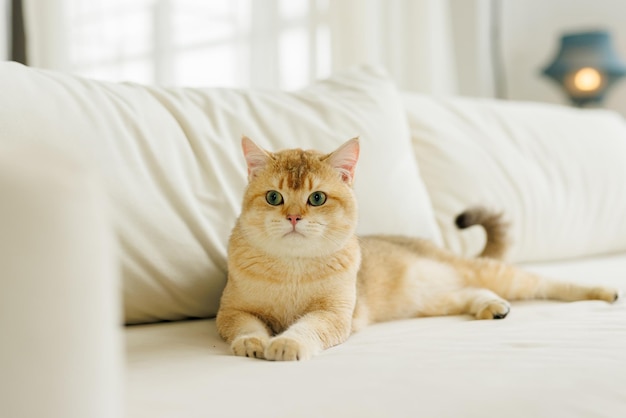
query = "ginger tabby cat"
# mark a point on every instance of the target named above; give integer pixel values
(300, 280)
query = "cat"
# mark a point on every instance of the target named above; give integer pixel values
(300, 280)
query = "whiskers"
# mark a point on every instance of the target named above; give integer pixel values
(312, 236)
(277, 228)
(336, 241)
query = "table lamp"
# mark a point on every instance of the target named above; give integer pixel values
(586, 66)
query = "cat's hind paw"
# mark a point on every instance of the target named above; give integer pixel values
(604, 293)
(494, 309)
(249, 346)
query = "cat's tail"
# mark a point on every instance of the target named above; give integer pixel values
(495, 226)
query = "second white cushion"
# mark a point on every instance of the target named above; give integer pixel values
(558, 173)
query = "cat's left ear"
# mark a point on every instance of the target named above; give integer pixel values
(344, 159)
(256, 157)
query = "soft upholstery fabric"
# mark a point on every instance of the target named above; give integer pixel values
(546, 359)
(60, 345)
(172, 164)
(559, 174)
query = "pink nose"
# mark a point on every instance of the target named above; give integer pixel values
(294, 219)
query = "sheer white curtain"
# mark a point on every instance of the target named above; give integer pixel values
(411, 38)
(4, 29)
(253, 43)
(47, 34)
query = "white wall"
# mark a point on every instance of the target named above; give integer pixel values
(530, 37)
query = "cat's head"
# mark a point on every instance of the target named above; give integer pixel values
(299, 203)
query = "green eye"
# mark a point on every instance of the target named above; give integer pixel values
(274, 198)
(317, 198)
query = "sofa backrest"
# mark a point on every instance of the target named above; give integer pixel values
(171, 162)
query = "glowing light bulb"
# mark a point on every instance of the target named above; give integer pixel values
(587, 79)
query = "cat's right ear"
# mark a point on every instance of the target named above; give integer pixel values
(256, 157)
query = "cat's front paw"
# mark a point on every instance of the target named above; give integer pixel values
(494, 309)
(249, 346)
(287, 349)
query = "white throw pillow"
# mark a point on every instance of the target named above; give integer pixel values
(558, 173)
(171, 159)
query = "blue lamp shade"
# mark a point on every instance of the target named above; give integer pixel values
(586, 66)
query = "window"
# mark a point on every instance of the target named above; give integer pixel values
(230, 43)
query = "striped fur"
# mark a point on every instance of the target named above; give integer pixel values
(300, 280)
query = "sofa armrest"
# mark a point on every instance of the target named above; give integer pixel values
(60, 336)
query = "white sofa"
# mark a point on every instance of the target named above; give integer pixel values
(116, 201)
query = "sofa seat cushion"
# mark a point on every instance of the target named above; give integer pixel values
(558, 173)
(172, 164)
(546, 359)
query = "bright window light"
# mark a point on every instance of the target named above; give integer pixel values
(200, 42)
